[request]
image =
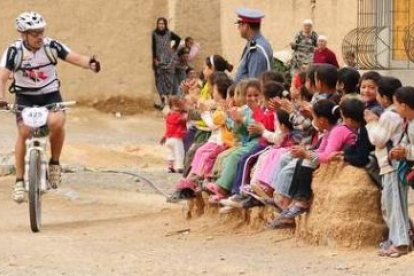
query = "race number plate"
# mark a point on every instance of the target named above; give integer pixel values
(35, 117)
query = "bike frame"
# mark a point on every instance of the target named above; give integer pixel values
(36, 144)
(35, 183)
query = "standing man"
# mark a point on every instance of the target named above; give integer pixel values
(303, 46)
(31, 61)
(257, 54)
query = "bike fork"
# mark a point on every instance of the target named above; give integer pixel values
(38, 144)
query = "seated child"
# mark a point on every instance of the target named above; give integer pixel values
(247, 107)
(267, 166)
(190, 87)
(285, 137)
(230, 104)
(347, 85)
(295, 178)
(265, 122)
(220, 139)
(214, 67)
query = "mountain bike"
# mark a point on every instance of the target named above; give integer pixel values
(36, 165)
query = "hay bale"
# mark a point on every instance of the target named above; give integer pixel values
(346, 209)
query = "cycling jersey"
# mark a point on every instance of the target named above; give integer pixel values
(34, 73)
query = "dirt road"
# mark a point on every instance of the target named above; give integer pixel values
(110, 224)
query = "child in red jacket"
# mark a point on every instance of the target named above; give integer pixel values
(176, 129)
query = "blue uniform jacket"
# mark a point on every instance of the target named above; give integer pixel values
(256, 58)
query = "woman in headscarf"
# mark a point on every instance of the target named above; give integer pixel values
(163, 58)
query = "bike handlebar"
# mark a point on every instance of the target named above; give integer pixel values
(53, 106)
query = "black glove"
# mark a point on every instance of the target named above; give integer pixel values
(96, 63)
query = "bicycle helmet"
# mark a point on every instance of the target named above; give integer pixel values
(28, 21)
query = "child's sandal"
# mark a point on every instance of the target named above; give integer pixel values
(393, 252)
(213, 188)
(215, 199)
(280, 223)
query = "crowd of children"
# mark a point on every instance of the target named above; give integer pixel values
(255, 143)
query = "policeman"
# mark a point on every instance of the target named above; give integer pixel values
(257, 54)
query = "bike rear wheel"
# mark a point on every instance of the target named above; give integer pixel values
(34, 190)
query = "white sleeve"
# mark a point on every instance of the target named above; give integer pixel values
(3, 60)
(207, 118)
(273, 137)
(408, 142)
(381, 131)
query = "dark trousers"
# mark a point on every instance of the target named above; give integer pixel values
(300, 188)
(238, 181)
(189, 138)
(200, 138)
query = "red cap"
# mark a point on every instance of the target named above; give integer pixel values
(249, 19)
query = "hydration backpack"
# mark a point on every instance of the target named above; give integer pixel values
(51, 54)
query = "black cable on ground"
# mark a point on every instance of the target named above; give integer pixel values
(145, 179)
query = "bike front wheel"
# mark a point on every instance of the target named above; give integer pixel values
(34, 190)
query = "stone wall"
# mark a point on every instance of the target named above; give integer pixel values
(119, 32)
(334, 18)
(199, 19)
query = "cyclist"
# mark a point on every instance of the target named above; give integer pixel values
(31, 61)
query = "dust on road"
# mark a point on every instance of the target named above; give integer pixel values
(114, 224)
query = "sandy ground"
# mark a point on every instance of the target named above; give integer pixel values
(112, 224)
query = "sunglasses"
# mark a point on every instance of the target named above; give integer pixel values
(36, 33)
